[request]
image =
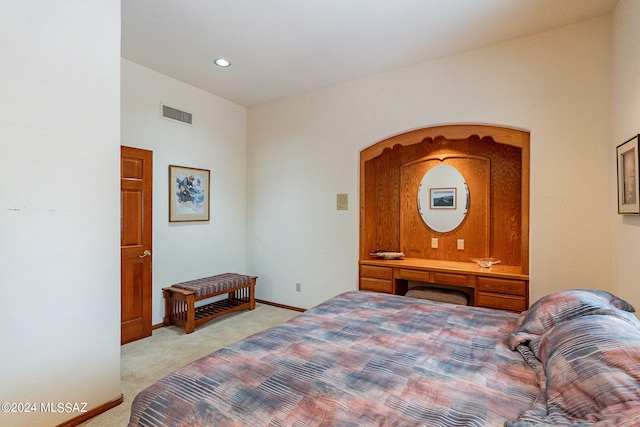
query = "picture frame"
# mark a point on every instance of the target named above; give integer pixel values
(628, 187)
(188, 194)
(443, 198)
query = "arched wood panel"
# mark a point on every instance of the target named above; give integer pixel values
(387, 222)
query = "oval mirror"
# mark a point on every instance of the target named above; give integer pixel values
(443, 198)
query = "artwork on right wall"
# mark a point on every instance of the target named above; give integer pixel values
(628, 189)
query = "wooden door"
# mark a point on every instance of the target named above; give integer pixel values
(136, 167)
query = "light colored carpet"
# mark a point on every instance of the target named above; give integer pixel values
(146, 361)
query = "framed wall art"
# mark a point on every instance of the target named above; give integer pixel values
(188, 194)
(628, 188)
(443, 198)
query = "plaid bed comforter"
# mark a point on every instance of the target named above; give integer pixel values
(359, 359)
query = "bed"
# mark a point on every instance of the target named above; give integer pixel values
(372, 359)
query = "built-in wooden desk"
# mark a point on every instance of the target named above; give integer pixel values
(501, 286)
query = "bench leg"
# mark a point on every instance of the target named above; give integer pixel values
(168, 307)
(190, 326)
(252, 294)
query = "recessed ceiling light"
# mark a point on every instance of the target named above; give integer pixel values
(221, 62)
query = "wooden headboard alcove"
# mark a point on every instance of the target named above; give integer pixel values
(493, 160)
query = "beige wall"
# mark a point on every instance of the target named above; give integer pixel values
(626, 124)
(216, 141)
(303, 150)
(59, 206)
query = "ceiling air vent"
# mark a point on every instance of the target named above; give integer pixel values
(177, 115)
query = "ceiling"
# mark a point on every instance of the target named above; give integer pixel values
(280, 48)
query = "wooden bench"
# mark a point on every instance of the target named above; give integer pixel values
(180, 299)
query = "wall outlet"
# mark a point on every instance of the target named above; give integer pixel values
(298, 287)
(434, 243)
(460, 244)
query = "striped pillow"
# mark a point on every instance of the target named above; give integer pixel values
(561, 306)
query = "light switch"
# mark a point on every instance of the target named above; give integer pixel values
(434, 243)
(460, 244)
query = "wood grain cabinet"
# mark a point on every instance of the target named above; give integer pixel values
(502, 293)
(494, 163)
(500, 287)
(375, 278)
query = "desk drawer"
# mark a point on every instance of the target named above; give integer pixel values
(450, 278)
(377, 285)
(376, 272)
(433, 277)
(417, 275)
(503, 302)
(502, 286)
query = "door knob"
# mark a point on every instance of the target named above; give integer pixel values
(146, 253)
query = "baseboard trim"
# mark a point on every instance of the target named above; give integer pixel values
(92, 413)
(275, 304)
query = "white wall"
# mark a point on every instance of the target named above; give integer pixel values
(59, 205)
(305, 149)
(626, 124)
(216, 141)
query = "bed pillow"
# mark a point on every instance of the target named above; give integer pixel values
(558, 307)
(591, 373)
(591, 365)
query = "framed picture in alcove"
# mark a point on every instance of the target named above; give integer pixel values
(628, 188)
(443, 198)
(188, 194)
